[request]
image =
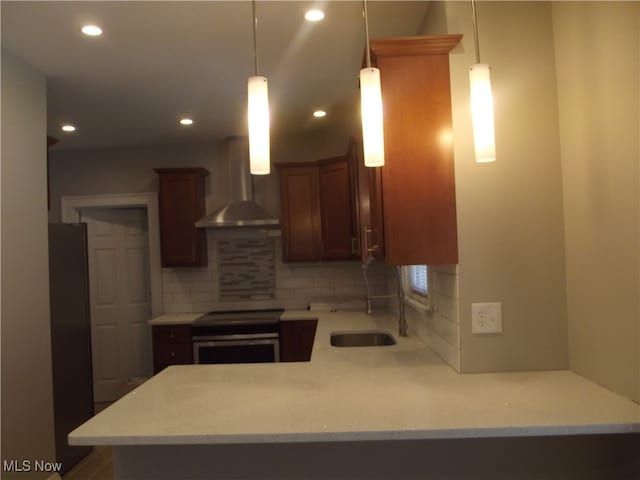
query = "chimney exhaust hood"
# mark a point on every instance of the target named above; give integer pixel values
(241, 211)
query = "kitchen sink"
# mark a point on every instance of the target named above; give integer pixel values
(366, 338)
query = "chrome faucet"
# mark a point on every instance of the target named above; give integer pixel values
(402, 321)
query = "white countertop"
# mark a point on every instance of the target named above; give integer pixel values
(402, 391)
(176, 318)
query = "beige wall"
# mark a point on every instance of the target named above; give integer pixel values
(510, 220)
(27, 392)
(130, 169)
(597, 60)
(125, 170)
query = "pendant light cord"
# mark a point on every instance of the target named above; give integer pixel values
(255, 43)
(366, 31)
(475, 30)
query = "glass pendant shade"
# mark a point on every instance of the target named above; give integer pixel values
(371, 110)
(482, 113)
(259, 148)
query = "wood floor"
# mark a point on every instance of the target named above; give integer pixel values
(95, 466)
(98, 464)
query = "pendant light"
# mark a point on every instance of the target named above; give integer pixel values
(371, 107)
(258, 114)
(481, 104)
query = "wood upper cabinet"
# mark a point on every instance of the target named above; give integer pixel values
(418, 180)
(339, 234)
(181, 204)
(318, 214)
(300, 207)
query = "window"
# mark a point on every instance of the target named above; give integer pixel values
(418, 281)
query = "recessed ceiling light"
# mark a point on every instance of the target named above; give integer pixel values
(68, 128)
(186, 121)
(319, 113)
(92, 30)
(314, 15)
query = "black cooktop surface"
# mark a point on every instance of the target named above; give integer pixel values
(240, 317)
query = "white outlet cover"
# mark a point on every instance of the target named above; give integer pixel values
(486, 318)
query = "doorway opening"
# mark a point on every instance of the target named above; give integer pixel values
(125, 285)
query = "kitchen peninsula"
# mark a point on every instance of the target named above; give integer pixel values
(359, 412)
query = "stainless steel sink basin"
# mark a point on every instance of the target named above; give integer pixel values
(368, 338)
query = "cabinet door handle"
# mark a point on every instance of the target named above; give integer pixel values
(173, 354)
(172, 336)
(370, 248)
(354, 245)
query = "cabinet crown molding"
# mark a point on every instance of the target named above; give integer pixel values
(419, 45)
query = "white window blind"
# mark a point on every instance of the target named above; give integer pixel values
(418, 279)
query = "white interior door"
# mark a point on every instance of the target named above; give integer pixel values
(120, 297)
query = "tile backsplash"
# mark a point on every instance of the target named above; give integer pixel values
(246, 271)
(444, 323)
(439, 328)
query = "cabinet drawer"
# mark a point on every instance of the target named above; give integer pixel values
(172, 334)
(176, 354)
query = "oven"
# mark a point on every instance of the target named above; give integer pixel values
(239, 336)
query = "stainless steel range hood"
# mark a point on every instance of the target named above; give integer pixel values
(241, 211)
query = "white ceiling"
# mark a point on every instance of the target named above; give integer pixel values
(157, 61)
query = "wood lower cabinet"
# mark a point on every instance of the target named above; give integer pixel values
(172, 345)
(296, 339)
(318, 213)
(181, 203)
(418, 180)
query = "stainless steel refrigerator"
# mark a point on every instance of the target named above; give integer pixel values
(70, 336)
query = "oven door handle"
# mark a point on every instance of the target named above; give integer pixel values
(234, 343)
(238, 336)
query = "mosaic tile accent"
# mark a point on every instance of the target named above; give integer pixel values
(246, 269)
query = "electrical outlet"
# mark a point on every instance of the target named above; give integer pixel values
(486, 318)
